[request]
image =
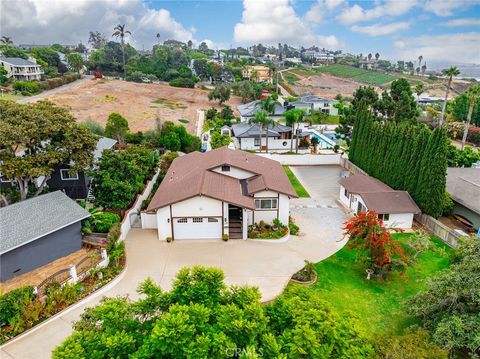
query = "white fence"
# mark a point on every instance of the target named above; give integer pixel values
(126, 224)
(305, 160)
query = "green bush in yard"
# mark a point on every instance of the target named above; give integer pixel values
(105, 220)
(26, 87)
(13, 302)
(183, 82)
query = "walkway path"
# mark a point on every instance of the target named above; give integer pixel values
(45, 94)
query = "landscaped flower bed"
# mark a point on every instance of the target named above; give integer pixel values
(307, 275)
(264, 230)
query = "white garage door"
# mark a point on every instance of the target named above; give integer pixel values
(197, 228)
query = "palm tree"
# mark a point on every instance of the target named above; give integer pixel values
(268, 105)
(452, 71)
(292, 117)
(377, 56)
(369, 57)
(474, 93)
(158, 37)
(260, 119)
(6, 40)
(119, 31)
(424, 68)
(420, 58)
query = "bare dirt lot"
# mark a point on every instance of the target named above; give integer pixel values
(327, 86)
(140, 104)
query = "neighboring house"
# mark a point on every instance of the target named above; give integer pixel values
(248, 110)
(37, 231)
(21, 69)
(361, 193)
(76, 185)
(427, 99)
(312, 102)
(463, 184)
(223, 191)
(319, 56)
(250, 136)
(258, 73)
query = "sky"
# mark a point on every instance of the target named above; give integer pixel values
(440, 30)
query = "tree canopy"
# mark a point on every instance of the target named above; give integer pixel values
(34, 138)
(116, 127)
(201, 317)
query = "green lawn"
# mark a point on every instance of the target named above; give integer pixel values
(357, 74)
(379, 305)
(301, 191)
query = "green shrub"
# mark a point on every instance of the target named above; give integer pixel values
(105, 220)
(293, 228)
(182, 82)
(26, 87)
(13, 302)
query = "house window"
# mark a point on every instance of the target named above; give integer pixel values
(182, 220)
(225, 168)
(210, 219)
(325, 104)
(266, 203)
(66, 176)
(256, 141)
(384, 216)
(345, 192)
(198, 220)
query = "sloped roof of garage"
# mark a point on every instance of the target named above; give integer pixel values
(191, 175)
(26, 221)
(464, 186)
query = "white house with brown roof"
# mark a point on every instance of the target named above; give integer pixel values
(361, 193)
(208, 195)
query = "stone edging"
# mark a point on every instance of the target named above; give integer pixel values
(307, 284)
(70, 308)
(284, 239)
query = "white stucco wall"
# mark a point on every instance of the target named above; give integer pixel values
(269, 215)
(345, 200)
(199, 206)
(234, 172)
(163, 223)
(399, 220)
(273, 144)
(149, 220)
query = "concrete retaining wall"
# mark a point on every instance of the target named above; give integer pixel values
(304, 160)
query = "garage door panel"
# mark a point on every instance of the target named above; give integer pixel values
(197, 228)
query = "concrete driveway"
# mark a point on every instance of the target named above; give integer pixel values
(267, 264)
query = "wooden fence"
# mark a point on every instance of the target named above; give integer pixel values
(442, 231)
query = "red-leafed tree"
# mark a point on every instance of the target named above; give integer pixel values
(367, 234)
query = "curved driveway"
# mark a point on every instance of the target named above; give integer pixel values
(267, 265)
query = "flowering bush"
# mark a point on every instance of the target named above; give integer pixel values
(368, 235)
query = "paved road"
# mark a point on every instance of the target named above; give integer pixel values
(56, 90)
(266, 264)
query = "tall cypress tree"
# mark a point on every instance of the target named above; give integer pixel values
(432, 178)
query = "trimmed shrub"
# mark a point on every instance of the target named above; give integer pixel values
(26, 87)
(182, 82)
(105, 220)
(13, 302)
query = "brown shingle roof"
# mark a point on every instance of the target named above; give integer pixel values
(378, 196)
(361, 183)
(390, 202)
(191, 175)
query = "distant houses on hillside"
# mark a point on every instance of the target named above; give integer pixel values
(21, 69)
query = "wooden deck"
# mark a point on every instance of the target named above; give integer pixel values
(38, 275)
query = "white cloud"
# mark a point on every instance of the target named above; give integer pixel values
(447, 7)
(461, 22)
(321, 9)
(355, 13)
(69, 22)
(274, 21)
(381, 29)
(455, 48)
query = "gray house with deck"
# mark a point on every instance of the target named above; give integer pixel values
(38, 231)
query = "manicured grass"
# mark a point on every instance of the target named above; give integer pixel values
(378, 304)
(357, 74)
(333, 119)
(301, 191)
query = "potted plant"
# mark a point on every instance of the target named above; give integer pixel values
(225, 237)
(169, 239)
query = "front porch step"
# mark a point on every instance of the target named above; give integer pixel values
(235, 230)
(235, 236)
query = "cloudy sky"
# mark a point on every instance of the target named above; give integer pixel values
(439, 30)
